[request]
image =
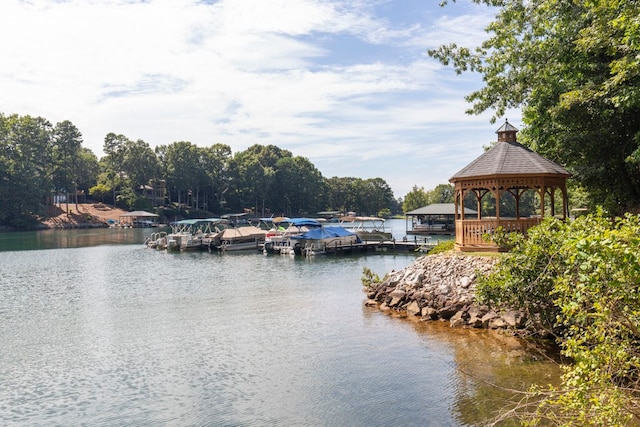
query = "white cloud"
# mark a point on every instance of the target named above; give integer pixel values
(324, 79)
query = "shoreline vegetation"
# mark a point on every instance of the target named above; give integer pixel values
(78, 215)
(44, 165)
(574, 283)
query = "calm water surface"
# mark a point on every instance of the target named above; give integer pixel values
(112, 334)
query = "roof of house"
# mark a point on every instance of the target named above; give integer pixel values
(509, 158)
(439, 209)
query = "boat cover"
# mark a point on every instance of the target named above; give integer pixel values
(324, 233)
(303, 222)
(248, 231)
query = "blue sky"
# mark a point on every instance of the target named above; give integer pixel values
(346, 84)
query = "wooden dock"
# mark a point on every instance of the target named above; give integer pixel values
(415, 245)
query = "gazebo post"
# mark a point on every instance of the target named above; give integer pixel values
(507, 166)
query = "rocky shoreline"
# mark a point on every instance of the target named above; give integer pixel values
(442, 287)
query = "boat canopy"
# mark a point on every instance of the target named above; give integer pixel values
(324, 233)
(248, 231)
(361, 219)
(192, 225)
(303, 222)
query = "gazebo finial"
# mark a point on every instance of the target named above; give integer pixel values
(505, 172)
(507, 132)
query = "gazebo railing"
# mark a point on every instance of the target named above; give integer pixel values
(472, 232)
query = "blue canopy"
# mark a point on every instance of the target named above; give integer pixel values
(324, 233)
(302, 222)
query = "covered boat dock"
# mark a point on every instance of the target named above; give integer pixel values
(437, 218)
(138, 219)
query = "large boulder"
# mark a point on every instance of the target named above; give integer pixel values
(442, 287)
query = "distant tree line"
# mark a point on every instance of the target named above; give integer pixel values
(42, 164)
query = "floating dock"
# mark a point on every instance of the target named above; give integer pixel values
(416, 245)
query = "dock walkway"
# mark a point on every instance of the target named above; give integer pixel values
(415, 245)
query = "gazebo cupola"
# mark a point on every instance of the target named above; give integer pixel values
(506, 171)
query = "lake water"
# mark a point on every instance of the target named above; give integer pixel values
(103, 332)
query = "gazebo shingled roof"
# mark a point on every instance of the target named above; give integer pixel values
(509, 158)
(508, 167)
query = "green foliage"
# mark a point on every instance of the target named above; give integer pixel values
(363, 196)
(384, 213)
(442, 193)
(127, 198)
(38, 160)
(415, 199)
(369, 278)
(574, 68)
(418, 197)
(100, 192)
(580, 281)
(443, 246)
(525, 277)
(26, 169)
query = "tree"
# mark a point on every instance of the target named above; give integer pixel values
(340, 196)
(216, 162)
(88, 170)
(301, 188)
(127, 166)
(415, 199)
(180, 161)
(442, 193)
(375, 195)
(67, 145)
(139, 163)
(574, 68)
(111, 163)
(26, 145)
(255, 171)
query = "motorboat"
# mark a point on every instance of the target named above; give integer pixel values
(278, 237)
(188, 234)
(241, 238)
(368, 228)
(324, 239)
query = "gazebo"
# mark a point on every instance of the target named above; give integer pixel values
(506, 171)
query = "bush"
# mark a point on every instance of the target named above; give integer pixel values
(442, 246)
(580, 281)
(369, 279)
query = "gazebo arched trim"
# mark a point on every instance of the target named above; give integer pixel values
(470, 233)
(518, 170)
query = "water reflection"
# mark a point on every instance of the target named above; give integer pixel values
(76, 238)
(122, 335)
(490, 369)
